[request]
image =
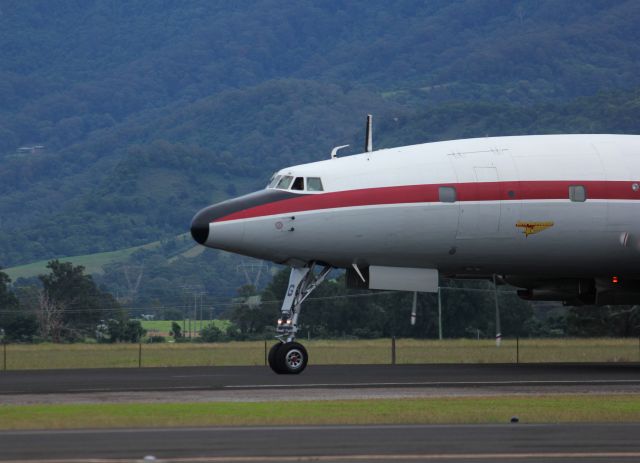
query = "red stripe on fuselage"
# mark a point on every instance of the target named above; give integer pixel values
(483, 191)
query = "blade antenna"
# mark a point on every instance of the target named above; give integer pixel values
(368, 143)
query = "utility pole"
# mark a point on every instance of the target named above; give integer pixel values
(498, 330)
(439, 314)
(201, 311)
(195, 290)
(195, 313)
(414, 308)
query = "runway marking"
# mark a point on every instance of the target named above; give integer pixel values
(131, 389)
(375, 457)
(440, 384)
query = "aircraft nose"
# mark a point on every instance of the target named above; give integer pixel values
(230, 235)
(200, 227)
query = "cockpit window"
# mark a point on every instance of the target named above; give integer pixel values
(298, 184)
(314, 184)
(274, 181)
(284, 182)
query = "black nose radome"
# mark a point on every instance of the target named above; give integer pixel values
(200, 232)
(200, 227)
(201, 221)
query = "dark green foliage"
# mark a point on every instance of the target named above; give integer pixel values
(20, 327)
(8, 300)
(124, 330)
(75, 301)
(211, 333)
(176, 330)
(173, 314)
(614, 321)
(15, 323)
(168, 279)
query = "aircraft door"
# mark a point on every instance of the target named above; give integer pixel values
(616, 168)
(480, 204)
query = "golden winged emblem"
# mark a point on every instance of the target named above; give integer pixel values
(531, 228)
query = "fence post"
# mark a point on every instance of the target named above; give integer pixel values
(393, 350)
(265, 352)
(140, 354)
(518, 349)
(4, 363)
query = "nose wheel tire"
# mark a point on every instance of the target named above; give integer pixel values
(272, 356)
(288, 358)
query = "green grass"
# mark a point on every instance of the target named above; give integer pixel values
(538, 409)
(45, 356)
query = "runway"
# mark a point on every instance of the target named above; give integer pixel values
(467, 443)
(519, 376)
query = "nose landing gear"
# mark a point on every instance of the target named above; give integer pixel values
(288, 356)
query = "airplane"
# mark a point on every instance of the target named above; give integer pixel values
(554, 215)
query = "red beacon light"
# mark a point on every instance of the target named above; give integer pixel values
(614, 280)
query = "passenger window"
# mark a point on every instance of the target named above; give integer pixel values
(274, 181)
(298, 184)
(447, 194)
(577, 193)
(284, 182)
(314, 184)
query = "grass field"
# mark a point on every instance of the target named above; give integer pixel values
(24, 356)
(470, 410)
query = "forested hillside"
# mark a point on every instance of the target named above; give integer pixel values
(149, 110)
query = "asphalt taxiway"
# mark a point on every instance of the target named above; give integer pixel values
(466, 443)
(558, 375)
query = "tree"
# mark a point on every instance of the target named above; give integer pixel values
(8, 300)
(124, 330)
(14, 323)
(248, 314)
(21, 328)
(49, 316)
(593, 321)
(71, 303)
(133, 331)
(211, 333)
(176, 330)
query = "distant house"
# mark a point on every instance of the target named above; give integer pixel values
(30, 149)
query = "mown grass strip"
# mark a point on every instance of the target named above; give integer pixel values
(530, 409)
(332, 352)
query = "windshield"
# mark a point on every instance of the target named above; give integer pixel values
(274, 181)
(289, 182)
(284, 182)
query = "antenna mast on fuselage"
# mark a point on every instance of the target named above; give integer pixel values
(368, 139)
(368, 142)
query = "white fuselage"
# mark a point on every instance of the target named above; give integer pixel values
(511, 211)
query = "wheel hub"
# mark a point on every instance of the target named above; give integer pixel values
(294, 359)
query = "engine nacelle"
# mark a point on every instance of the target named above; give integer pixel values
(579, 291)
(573, 291)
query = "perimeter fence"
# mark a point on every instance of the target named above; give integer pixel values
(328, 352)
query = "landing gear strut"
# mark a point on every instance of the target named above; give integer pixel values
(288, 356)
